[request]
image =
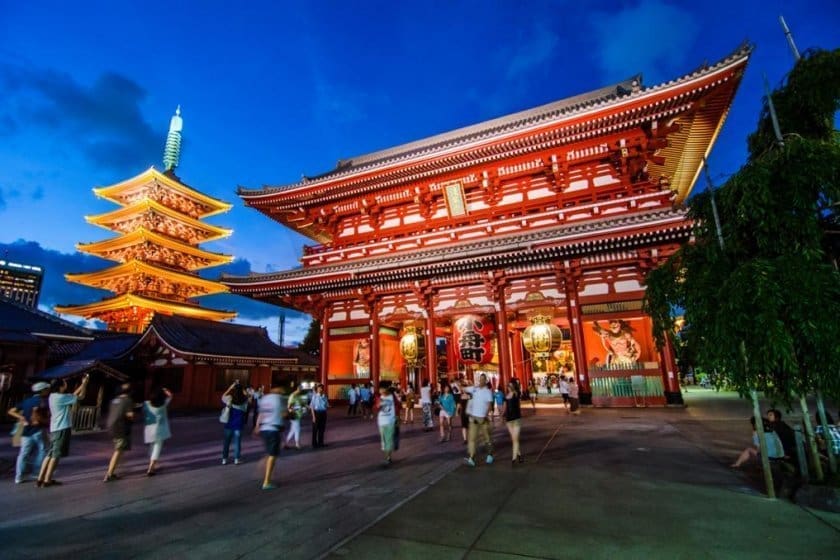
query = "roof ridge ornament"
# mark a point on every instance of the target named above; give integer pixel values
(172, 150)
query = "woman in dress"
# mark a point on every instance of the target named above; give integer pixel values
(532, 393)
(513, 415)
(297, 408)
(408, 398)
(156, 420)
(447, 411)
(237, 400)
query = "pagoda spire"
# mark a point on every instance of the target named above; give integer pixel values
(172, 151)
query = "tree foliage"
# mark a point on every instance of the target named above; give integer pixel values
(312, 341)
(773, 285)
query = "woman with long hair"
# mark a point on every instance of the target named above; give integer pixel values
(156, 429)
(236, 399)
(513, 418)
(297, 408)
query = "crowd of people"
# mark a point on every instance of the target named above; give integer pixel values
(45, 420)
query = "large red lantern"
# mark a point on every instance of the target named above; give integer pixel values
(473, 339)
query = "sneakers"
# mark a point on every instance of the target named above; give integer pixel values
(470, 461)
(489, 460)
(237, 461)
(268, 486)
(224, 461)
(19, 481)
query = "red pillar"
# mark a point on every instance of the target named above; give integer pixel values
(503, 342)
(325, 347)
(519, 366)
(431, 350)
(670, 373)
(374, 346)
(579, 348)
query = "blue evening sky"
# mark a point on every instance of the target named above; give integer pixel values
(274, 90)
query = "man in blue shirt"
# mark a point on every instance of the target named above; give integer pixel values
(318, 406)
(34, 428)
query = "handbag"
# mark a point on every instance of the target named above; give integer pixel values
(225, 415)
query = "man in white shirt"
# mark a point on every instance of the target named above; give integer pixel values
(61, 424)
(478, 407)
(273, 410)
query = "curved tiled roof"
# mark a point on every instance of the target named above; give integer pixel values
(625, 90)
(215, 339)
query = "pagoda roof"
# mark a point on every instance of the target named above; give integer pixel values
(100, 277)
(141, 206)
(213, 340)
(143, 235)
(19, 323)
(607, 108)
(538, 246)
(126, 301)
(117, 192)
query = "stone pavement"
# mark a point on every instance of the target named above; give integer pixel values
(625, 483)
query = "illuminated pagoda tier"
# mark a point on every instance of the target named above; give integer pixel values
(550, 217)
(159, 226)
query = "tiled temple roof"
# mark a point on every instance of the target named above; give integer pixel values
(214, 339)
(22, 322)
(626, 90)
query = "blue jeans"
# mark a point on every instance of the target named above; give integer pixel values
(236, 436)
(36, 441)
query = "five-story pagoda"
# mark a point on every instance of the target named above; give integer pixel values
(159, 228)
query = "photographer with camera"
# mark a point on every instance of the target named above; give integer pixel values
(61, 424)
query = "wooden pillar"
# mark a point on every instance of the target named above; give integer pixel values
(431, 349)
(670, 373)
(325, 346)
(374, 345)
(519, 365)
(503, 339)
(578, 346)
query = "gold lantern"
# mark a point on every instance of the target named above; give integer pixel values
(541, 338)
(412, 346)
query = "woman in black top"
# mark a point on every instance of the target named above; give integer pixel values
(513, 415)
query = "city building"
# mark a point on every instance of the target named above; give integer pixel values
(20, 283)
(519, 245)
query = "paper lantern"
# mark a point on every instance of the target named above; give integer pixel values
(473, 339)
(541, 338)
(412, 346)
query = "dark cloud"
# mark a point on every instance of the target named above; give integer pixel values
(103, 120)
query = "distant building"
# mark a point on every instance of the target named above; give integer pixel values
(20, 283)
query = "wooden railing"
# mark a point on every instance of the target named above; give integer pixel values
(85, 418)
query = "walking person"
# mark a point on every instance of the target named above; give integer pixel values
(61, 424)
(319, 406)
(297, 408)
(447, 411)
(255, 396)
(463, 401)
(513, 418)
(408, 398)
(366, 397)
(532, 393)
(351, 400)
(478, 407)
(273, 410)
(564, 391)
(237, 401)
(34, 414)
(156, 425)
(426, 406)
(498, 400)
(386, 419)
(574, 396)
(120, 419)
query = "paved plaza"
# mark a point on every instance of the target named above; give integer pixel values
(619, 483)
